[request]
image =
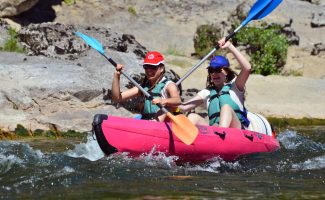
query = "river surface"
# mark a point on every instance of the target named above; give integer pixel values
(70, 169)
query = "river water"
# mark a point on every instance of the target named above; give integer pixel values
(65, 169)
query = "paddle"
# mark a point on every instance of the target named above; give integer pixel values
(260, 9)
(182, 127)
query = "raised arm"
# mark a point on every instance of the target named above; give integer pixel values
(243, 62)
(117, 95)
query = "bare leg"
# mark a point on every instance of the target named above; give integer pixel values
(197, 119)
(228, 118)
(161, 117)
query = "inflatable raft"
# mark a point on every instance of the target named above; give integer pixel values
(118, 134)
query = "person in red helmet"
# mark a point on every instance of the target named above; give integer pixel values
(224, 92)
(163, 90)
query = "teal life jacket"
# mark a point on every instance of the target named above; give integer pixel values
(217, 100)
(150, 109)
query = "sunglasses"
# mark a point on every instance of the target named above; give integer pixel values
(153, 67)
(218, 70)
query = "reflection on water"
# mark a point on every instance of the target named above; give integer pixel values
(295, 171)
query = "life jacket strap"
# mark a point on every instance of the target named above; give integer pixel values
(149, 116)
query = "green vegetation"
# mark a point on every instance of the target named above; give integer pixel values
(69, 2)
(266, 46)
(12, 44)
(132, 10)
(205, 39)
(286, 122)
(22, 132)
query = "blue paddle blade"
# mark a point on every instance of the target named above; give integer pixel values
(268, 9)
(91, 42)
(260, 9)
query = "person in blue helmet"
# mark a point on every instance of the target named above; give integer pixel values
(224, 92)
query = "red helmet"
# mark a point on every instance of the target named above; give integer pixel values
(153, 58)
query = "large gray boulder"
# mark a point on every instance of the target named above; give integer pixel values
(9, 8)
(40, 92)
(59, 41)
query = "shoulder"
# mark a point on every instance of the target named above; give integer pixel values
(234, 87)
(170, 83)
(170, 87)
(204, 93)
(166, 81)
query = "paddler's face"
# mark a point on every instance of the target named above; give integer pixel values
(218, 76)
(153, 72)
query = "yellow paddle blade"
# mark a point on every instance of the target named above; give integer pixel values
(183, 128)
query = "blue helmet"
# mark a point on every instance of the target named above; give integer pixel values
(218, 62)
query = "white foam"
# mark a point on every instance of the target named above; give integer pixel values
(6, 162)
(89, 150)
(289, 139)
(154, 158)
(311, 164)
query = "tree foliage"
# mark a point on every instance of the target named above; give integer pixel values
(12, 44)
(205, 39)
(266, 46)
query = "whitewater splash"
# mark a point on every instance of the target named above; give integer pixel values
(294, 143)
(89, 150)
(311, 164)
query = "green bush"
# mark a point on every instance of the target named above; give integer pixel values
(205, 39)
(69, 2)
(50, 134)
(11, 44)
(20, 130)
(266, 46)
(132, 10)
(38, 132)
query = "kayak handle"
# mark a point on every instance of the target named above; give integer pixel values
(221, 135)
(250, 137)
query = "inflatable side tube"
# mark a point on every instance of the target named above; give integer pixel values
(97, 129)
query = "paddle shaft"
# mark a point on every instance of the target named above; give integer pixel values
(206, 57)
(135, 83)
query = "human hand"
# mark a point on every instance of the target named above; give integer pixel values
(223, 44)
(159, 101)
(119, 68)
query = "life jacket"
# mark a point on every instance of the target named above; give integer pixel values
(217, 100)
(149, 109)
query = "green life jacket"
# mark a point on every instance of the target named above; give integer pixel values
(217, 100)
(149, 109)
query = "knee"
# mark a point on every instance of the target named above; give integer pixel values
(192, 116)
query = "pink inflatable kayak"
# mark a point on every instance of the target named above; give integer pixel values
(117, 134)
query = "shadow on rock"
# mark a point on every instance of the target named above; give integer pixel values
(41, 12)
